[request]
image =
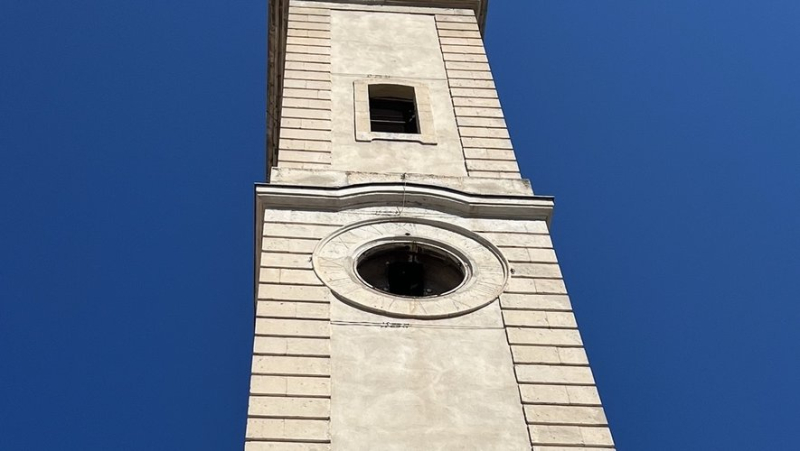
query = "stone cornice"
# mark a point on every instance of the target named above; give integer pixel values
(479, 6)
(404, 195)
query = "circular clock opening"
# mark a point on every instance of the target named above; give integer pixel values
(411, 269)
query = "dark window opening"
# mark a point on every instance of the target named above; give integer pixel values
(410, 269)
(406, 278)
(392, 109)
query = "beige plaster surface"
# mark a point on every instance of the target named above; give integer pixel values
(423, 385)
(391, 48)
(386, 44)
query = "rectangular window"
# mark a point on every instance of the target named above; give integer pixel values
(392, 109)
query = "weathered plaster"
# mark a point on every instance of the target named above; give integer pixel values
(383, 47)
(414, 385)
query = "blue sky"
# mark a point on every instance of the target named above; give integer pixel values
(131, 134)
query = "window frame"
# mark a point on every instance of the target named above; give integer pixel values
(363, 127)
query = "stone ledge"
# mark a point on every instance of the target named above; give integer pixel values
(341, 179)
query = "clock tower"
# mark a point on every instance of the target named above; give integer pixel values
(407, 293)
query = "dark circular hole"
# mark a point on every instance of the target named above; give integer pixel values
(410, 269)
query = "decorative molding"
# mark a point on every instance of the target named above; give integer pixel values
(480, 7)
(336, 257)
(402, 195)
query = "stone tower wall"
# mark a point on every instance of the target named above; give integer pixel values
(329, 374)
(473, 139)
(290, 404)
